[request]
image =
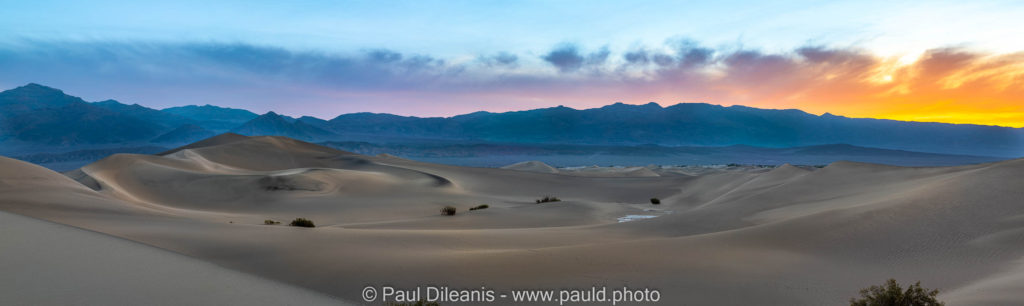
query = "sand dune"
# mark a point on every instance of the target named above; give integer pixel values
(535, 166)
(783, 236)
(51, 264)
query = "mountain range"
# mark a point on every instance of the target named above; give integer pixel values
(690, 124)
(37, 116)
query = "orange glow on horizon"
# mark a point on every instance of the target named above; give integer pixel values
(940, 85)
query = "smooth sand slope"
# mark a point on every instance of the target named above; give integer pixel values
(43, 263)
(783, 236)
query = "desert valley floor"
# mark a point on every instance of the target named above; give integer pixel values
(788, 235)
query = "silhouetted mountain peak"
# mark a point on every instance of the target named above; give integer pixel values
(35, 96)
(831, 116)
(619, 106)
(273, 124)
(33, 87)
(274, 117)
(115, 103)
(209, 112)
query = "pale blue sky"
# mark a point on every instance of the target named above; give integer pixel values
(454, 28)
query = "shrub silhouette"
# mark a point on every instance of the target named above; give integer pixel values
(548, 199)
(302, 222)
(892, 294)
(448, 210)
(655, 201)
(271, 222)
(481, 206)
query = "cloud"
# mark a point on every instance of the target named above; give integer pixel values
(692, 54)
(501, 59)
(567, 58)
(687, 53)
(637, 57)
(383, 56)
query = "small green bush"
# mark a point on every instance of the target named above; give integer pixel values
(655, 201)
(548, 199)
(271, 222)
(481, 206)
(448, 210)
(891, 294)
(302, 222)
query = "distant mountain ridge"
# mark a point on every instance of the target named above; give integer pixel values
(689, 124)
(213, 117)
(272, 124)
(40, 115)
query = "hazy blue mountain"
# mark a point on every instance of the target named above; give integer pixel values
(314, 121)
(689, 124)
(42, 115)
(272, 124)
(187, 133)
(34, 96)
(38, 114)
(213, 117)
(168, 120)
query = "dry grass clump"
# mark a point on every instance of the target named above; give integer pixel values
(302, 222)
(547, 199)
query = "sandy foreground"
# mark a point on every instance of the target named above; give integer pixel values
(783, 236)
(51, 264)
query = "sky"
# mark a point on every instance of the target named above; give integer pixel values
(940, 61)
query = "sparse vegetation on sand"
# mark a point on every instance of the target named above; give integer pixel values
(302, 222)
(547, 199)
(448, 210)
(271, 222)
(655, 201)
(891, 294)
(481, 206)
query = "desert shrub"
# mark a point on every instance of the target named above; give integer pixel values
(271, 222)
(448, 210)
(892, 294)
(481, 206)
(547, 199)
(655, 201)
(418, 303)
(302, 222)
